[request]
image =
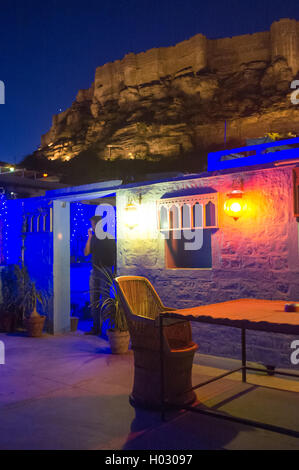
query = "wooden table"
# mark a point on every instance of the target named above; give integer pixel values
(245, 314)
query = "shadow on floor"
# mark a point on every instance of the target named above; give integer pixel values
(182, 430)
(66, 420)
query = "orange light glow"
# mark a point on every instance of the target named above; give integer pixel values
(235, 206)
(45, 175)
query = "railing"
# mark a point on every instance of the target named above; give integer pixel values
(262, 153)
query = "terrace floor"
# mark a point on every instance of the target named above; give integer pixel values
(69, 392)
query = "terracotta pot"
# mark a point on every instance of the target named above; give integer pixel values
(35, 324)
(74, 323)
(119, 341)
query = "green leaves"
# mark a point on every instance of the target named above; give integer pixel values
(111, 308)
(19, 291)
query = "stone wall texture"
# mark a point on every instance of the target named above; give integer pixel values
(173, 101)
(256, 256)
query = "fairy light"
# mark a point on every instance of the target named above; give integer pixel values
(4, 229)
(80, 223)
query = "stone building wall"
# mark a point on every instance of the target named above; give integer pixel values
(255, 256)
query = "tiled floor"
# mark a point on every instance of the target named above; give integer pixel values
(69, 392)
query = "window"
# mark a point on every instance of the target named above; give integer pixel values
(186, 224)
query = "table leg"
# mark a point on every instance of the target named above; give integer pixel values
(243, 335)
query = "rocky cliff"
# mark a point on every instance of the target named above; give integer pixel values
(173, 101)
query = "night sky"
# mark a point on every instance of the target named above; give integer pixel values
(50, 49)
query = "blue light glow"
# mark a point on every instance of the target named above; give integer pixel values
(3, 229)
(264, 153)
(80, 215)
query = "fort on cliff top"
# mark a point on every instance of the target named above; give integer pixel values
(172, 101)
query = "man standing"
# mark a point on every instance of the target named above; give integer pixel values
(102, 256)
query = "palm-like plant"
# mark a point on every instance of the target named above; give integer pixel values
(111, 308)
(30, 298)
(15, 278)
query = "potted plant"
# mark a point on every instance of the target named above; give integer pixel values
(34, 322)
(111, 310)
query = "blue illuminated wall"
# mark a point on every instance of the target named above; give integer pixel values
(14, 229)
(38, 255)
(3, 229)
(38, 245)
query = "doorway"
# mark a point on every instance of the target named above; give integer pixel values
(80, 265)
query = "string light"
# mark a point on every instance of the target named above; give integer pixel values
(80, 223)
(3, 229)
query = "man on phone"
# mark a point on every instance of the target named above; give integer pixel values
(102, 256)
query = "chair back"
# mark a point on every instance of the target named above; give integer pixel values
(140, 296)
(142, 306)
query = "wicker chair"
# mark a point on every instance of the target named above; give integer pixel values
(142, 307)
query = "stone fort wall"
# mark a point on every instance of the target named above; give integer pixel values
(222, 55)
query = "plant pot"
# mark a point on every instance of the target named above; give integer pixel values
(119, 341)
(74, 323)
(34, 325)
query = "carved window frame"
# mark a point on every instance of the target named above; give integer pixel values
(179, 202)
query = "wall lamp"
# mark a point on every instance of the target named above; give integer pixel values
(132, 213)
(235, 206)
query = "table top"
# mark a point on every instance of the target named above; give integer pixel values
(254, 314)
